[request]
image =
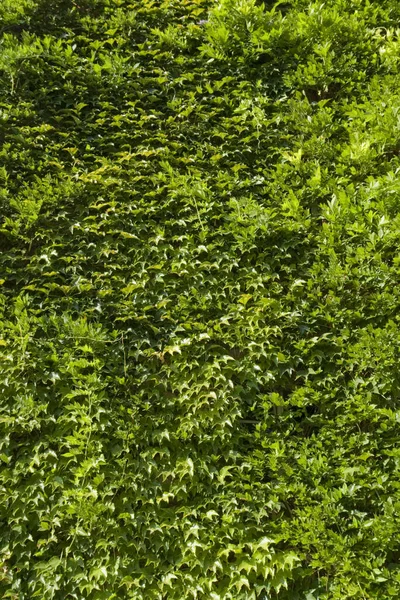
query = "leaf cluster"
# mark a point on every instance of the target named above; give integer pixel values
(199, 300)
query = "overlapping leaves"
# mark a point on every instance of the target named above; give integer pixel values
(199, 300)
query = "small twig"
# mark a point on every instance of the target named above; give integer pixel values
(198, 214)
(123, 348)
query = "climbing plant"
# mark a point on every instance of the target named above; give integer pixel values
(199, 299)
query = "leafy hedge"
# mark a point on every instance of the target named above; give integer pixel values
(200, 299)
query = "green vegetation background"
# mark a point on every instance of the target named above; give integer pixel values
(200, 300)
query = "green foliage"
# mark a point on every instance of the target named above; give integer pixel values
(199, 300)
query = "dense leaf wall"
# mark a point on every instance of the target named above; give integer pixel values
(199, 299)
